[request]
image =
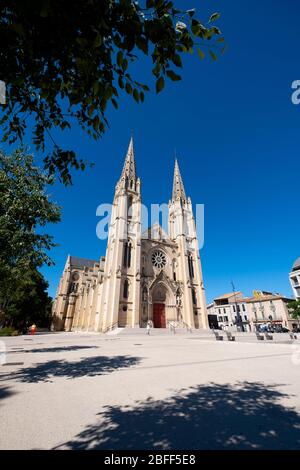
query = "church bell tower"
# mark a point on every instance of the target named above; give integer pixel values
(182, 230)
(120, 300)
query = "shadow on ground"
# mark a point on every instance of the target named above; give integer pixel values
(244, 416)
(6, 392)
(60, 349)
(86, 367)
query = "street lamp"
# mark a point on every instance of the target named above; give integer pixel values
(239, 321)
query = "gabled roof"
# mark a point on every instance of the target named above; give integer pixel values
(263, 298)
(81, 263)
(155, 232)
(229, 295)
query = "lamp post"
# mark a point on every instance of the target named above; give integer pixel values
(239, 322)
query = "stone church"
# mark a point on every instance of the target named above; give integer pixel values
(146, 276)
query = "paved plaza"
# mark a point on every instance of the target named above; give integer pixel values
(163, 391)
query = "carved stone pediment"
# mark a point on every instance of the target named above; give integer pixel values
(162, 277)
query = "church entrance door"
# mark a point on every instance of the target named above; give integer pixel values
(159, 316)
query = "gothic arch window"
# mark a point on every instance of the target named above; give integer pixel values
(127, 254)
(126, 289)
(194, 296)
(191, 265)
(73, 287)
(129, 207)
(174, 269)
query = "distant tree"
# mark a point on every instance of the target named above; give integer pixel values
(294, 309)
(28, 302)
(25, 208)
(65, 62)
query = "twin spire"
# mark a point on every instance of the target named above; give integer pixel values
(129, 170)
(128, 175)
(178, 193)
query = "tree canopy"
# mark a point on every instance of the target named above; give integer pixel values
(25, 209)
(66, 62)
(294, 309)
(28, 302)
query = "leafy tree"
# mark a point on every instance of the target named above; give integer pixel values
(28, 303)
(65, 62)
(25, 208)
(294, 309)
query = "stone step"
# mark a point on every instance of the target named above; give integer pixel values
(160, 331)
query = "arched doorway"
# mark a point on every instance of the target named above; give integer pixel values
(159, 307)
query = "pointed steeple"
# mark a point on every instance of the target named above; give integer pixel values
(129, 164)
(178, 188)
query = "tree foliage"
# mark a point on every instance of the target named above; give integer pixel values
(68, 61)
(25, 208)
(27, 303)
(294, 309)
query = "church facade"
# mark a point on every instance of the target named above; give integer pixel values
(151, 276)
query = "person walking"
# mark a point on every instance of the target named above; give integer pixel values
(148, 327)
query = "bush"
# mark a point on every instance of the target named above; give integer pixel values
(8, 331)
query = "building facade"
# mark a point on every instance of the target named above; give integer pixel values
(152, 275)
(262, 309)
(231, 311)
(265, 308)
(295, 279)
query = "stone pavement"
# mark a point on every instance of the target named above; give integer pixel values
(163, 391)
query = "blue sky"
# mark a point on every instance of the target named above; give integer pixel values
(236, 134)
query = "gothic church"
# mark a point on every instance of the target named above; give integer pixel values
(144, 276)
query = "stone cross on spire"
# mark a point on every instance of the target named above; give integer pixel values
(178, 188)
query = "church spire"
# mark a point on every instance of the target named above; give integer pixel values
(129, 164)
(128, 175)
(178, 188)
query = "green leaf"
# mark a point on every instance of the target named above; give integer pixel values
(201, 54)
(160, 83)
(120, 58)
(96, 88)
(136, 95)
(173, 76)
(212, 55)
(121, 83)
(214, 17)
(177, 60)
(125, 65)
(114, 102)
(142, 44)
(128, 88)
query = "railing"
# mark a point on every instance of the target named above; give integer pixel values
(110, 327)
(173, 324)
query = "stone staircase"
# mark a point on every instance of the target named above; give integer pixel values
(161, 332)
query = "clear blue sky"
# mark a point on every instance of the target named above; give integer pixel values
(237, 137)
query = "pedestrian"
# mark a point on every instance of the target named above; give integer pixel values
(148, 327)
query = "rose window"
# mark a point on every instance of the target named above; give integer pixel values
(158, 259)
